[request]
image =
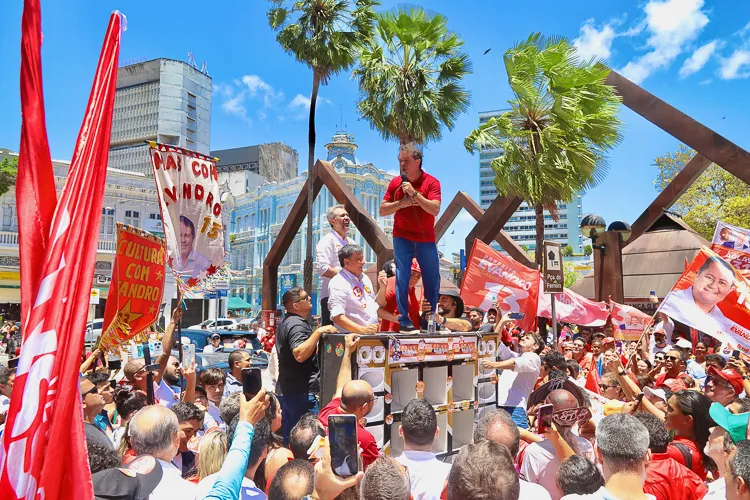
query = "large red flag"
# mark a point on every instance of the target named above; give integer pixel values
(43, 453)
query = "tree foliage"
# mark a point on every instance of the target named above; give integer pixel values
(8, 173)
(567, 251)
(571, 274)
(588, 250)
(716, 194)
(410, 76)
(561, 125)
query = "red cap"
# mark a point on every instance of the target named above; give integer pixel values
(674, 385)
(415, 266)
(729, 375)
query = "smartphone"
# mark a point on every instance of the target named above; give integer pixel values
(251, 382)
(342, 434)
(542, 422)
(188, 355)
(638, 400)
(114, 364)
(136, 351)
(156, 348)
(516, 316)
(736, 354)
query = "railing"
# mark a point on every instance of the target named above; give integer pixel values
(8, 238)
(106, 246)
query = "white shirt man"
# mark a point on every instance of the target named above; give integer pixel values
(327, 263)
(354, 297)
(541, 463)
(426, 473)
(172, 485)
(680, 305)
(195, 264)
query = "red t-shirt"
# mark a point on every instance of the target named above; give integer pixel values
(414, 224)
(663, 379)
(367, 442)
(676, 454)
(392, 306)
(667, 479)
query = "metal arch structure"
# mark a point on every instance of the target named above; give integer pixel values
(323, 175)
(464, 201)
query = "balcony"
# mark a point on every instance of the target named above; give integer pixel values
(9, 239)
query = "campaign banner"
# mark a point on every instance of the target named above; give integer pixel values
(729, 236)
(628, 322)
(573, 308)
(187, 184)
(740, 260)
(493, 277)
(427, 349)
(137, 287)
(712, 297)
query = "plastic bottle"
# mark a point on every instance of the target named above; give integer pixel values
(431, 324)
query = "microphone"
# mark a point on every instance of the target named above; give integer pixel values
(404, 178)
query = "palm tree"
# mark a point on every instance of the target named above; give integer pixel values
(324, 35)
(562, 122)
(409, 76)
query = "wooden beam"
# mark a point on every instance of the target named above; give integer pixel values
(490, 226)
(671, 193)
(323, 175)
(702, 139)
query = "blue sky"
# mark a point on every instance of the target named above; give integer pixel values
(694, 54)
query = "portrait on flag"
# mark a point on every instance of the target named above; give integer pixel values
(740, 260)
(188, 187)
(628, 322)
(729, 236)
(493, 277)
(571, 307)
(712, 297)
(137, 286)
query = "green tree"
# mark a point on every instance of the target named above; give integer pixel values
(563, 121)
(571, 275)
(8, 173)
(715, 195)
(410, 76)
(324, 35)
(588, 250)
(567, 251)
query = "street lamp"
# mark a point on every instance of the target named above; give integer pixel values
(606, 263)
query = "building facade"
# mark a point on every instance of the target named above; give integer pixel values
(259, 215)
(244, 169)
(161, 100)
(522, 225)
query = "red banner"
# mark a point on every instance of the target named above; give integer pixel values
(712, 297)
(573, 308)
(491, 276)
(137, 286)
(43, 453)
(740, 260)
(628, 322)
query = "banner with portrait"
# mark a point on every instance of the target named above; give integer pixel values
(712, 297)
(573, 308)
(729, 236)
(137, 286)
(187, 184)
(493, 277)
(740, 260)
(628, 322)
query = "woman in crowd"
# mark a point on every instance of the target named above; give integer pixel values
(687, 416)
(212, 451)
(277, 454)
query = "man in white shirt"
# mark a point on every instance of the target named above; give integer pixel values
(622, 449)
(696, 306)
(215, 344)
(190, 262)
(540, 461)
(497, 426)
(327, 255)
(519, 375)
(154, 430)
(352, 298)
(419, 429)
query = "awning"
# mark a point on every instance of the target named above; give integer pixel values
(238, 303)
(10, 295)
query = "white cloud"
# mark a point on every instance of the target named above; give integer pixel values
(255, 86)
(736, 66)
(594, 43)
(699, 58)
(300, 101)
(393, 172)
(235, 105)
(672, 25)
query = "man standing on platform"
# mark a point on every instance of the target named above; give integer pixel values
(296, 344)
(414, 198)
(327, 255)
(352, 300)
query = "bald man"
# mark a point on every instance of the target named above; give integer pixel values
(540, 461)
(353, 397)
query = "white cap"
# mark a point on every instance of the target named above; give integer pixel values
(684, 343)
(659, 393)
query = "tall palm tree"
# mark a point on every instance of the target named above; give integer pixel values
(555, 138)
(324, 35)
(410, 76)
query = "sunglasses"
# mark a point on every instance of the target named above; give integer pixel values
(605, 386)
(671, 358)
(308, 297)
(93, 390)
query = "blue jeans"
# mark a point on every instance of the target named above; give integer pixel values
(518, 414)
(427, 256)
(293, 407)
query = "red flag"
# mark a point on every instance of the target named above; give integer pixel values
(573, 308)
(45, 405)
(593, 380)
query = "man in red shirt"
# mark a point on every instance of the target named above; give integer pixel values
(388, 300)
(353, 397)
(675, 364)
(414, 198)
(665, 477)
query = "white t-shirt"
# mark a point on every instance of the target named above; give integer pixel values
(354, 297)
(540, 464)
(172, 485)
(680, 305)
(426, 473)
(601, 494)
(531, 491)
(165, 395)
(514, 386)
(327, 257)
(717, 490)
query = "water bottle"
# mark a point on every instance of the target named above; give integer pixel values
(431, 324)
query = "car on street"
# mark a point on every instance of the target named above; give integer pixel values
(216, 324)
(93, 330)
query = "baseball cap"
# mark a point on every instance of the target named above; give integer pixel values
(675, 385)
(215, 336)
(134, 482)
(683, 343)
(730, 376)
(734, 424)
(659, 393)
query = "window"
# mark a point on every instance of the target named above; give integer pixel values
(154, 216)
(107, 229)
(9, 216)
(132, 218)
